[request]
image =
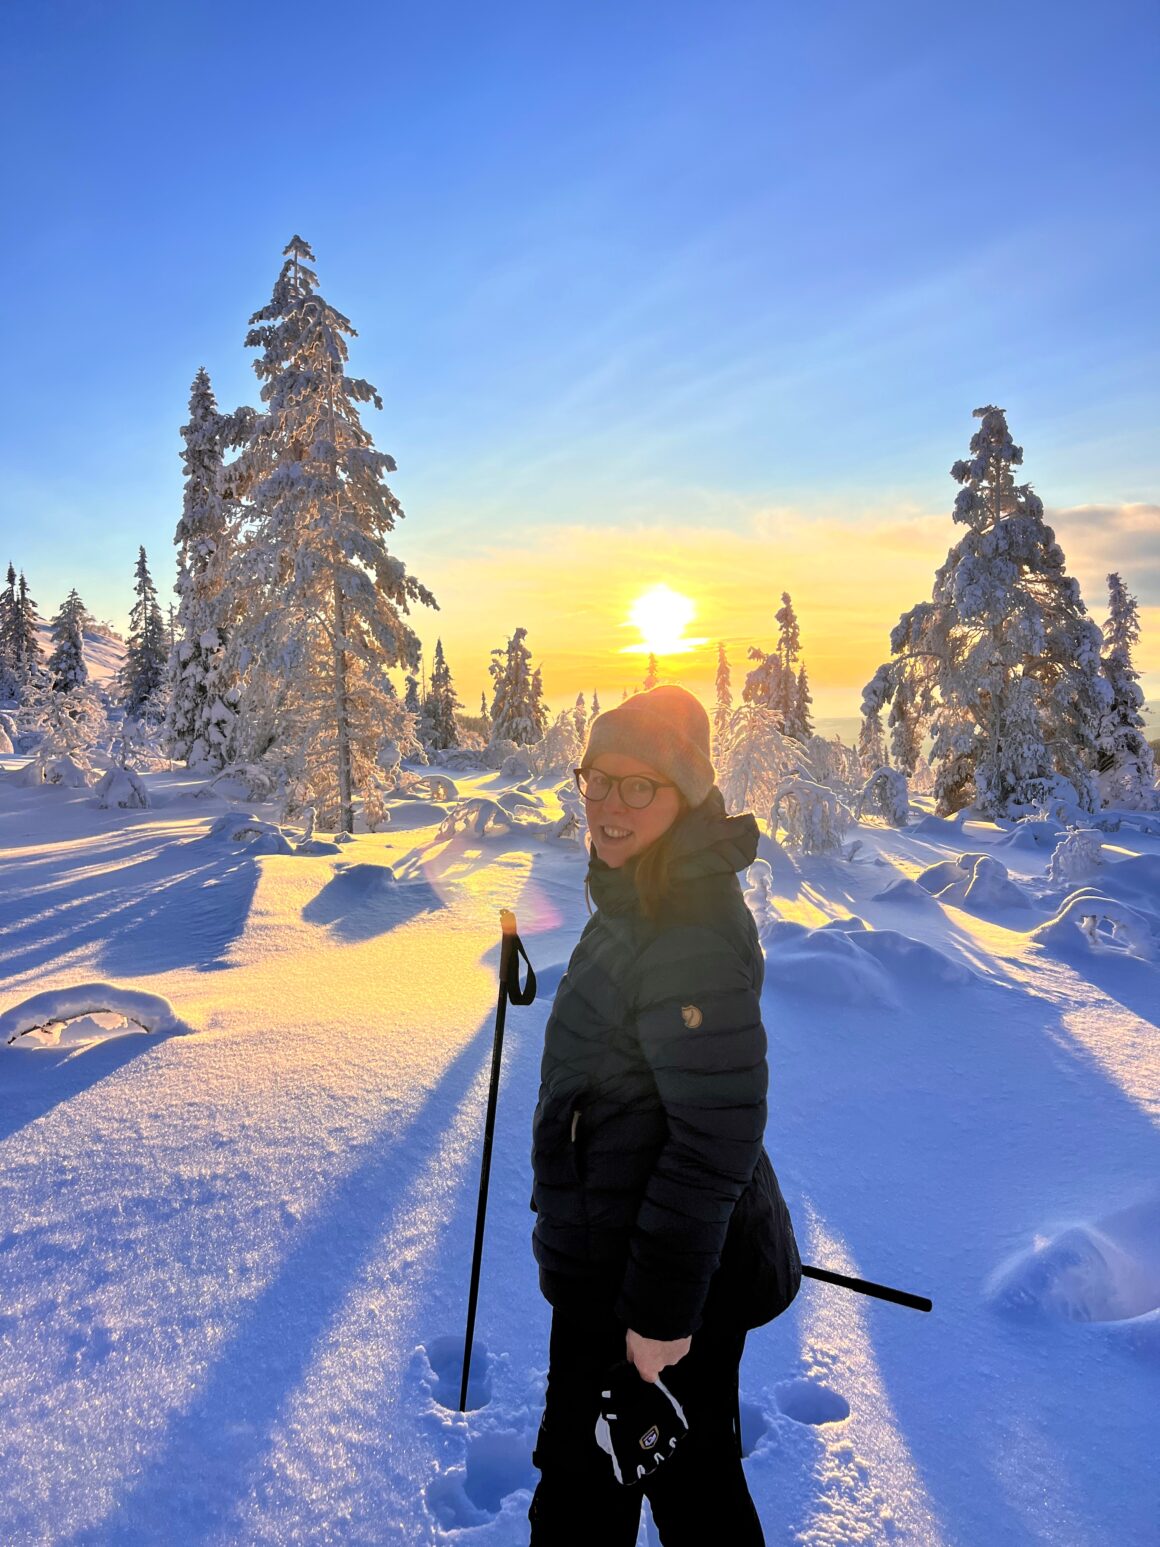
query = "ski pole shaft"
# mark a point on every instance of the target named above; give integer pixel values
(485, 1165)
(863, 1286)
(509, 987)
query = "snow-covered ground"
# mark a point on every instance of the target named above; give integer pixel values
(235, 1248)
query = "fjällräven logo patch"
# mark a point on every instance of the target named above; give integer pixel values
(691, 1016)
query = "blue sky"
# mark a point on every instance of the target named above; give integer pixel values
(663, 269)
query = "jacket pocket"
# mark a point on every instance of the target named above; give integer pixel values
(555, 1150)
(760, 1270)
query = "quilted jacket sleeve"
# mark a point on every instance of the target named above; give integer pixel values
(699, 1024)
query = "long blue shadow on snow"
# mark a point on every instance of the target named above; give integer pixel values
(364, 900)
(179, 907)
(204, 1465)
(34, 1081)
(933, 1141)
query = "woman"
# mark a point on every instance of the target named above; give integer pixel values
(661, 1234)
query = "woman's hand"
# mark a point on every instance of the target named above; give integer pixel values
(652, 1355)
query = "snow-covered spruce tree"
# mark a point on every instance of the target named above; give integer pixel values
(723, 710)
(1002, 662)
(561, 747)
(872, 744)
(72, 726)
(67, 661)
(652, 676)
(201, 714)
(518, 712)
(595, 703)
(324, 594)
(766, 684)
(753, 757)
(21, 656)
(411, 701)
(1127, 769)
(799, 722)
(143, 670)
(788, 649)
(9, 682)
(580, 719)
(437, 727)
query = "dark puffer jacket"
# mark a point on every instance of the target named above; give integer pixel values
(653, 1195)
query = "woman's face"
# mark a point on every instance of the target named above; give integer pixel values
(643, 825)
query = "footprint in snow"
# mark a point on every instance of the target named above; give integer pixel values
(805, 1401)
(498, 1463)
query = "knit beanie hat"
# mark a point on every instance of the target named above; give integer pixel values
(667, 728)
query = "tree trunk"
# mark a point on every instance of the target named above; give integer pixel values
(345, 802)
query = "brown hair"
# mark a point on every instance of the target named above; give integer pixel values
(652, 867)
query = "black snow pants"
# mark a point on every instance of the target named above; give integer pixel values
(700, 1497)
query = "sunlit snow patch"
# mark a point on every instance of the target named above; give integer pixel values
(90, 1012)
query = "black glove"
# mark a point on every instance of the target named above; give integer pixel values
(640, 1421)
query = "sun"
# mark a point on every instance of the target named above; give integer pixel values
(662, 615)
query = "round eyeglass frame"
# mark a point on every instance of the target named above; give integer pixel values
(657, 784)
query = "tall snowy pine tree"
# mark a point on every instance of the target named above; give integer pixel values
(67, 661)
(1002, 662)
(201, 717)
(518, 712)
(1127, 769)
(438, 729)
(142, 675)
(21, 656)
(324, 593)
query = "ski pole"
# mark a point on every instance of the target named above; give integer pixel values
(863, 1286)
(509, 988)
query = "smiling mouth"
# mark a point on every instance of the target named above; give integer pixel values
(614, 837)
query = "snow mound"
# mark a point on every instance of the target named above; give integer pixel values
(904, 890)
(973, 881)
(1031, 835)
(44, 1017)
(946, 827)
(5, 742)
(255, 833)
(1140, 874)
(64, 771)
(1102, 1271)
(1092, 921)
(843, 959)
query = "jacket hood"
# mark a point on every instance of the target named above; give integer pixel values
(706, 841)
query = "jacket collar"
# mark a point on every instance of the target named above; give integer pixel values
(706, 842)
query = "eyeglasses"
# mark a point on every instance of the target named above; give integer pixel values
(636, 790)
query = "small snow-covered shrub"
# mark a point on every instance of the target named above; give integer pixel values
(834, 764)
(69, 772)
(259, 836)
(759, 895)
(884, 795)
(518, 764)
(1077, 852)
(8, 725)
(1128, 931)
(121, 787)
(245, 781)
(440, 787)
(479, 815)
(973, 881)
(5, 741)
(812, 815)
(497, 751)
